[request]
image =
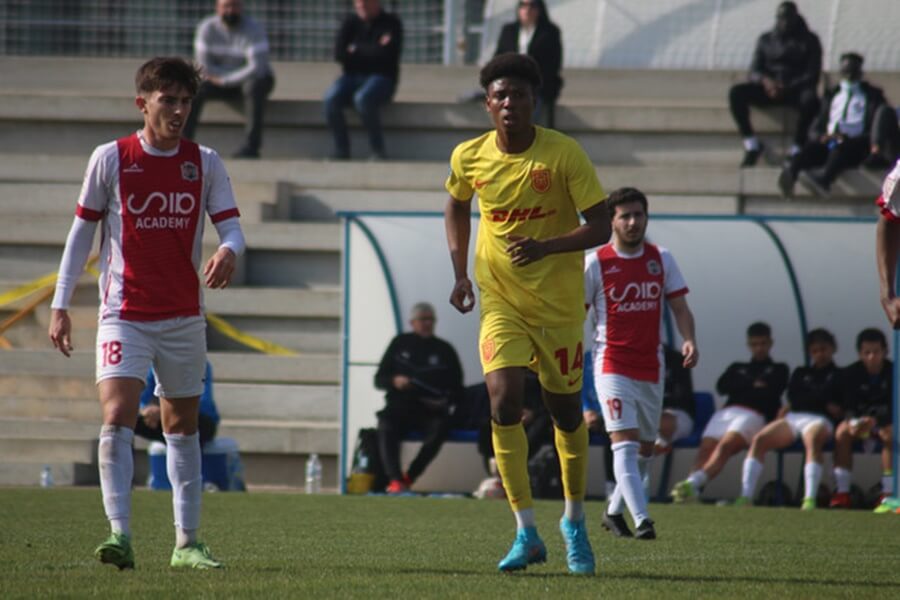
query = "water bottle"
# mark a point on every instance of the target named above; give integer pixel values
(46, 477)
(313, 474)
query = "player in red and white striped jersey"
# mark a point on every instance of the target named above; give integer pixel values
(627, 282)
(150, 192)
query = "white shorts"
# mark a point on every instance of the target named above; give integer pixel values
(684, 423)
(630, 404)
(745, 421)
(799, 422)
(176, 348)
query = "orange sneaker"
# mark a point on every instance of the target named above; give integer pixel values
(840, 500)
(396, 486)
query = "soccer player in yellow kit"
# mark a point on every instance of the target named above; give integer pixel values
(529, 261)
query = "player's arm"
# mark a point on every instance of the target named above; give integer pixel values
(887, 245)
(75, 256)
(458, 225)
(224, 214)
(593, 232)
(684, 320)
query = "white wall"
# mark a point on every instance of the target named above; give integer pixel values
(703, 34)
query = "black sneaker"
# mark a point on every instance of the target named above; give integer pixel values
(751, 157)
(645, 530)
(786, 182)
(616, 524)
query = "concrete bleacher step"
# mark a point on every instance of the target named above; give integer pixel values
(234, 367)
(63, 473)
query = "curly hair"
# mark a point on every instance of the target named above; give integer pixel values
(511, 64)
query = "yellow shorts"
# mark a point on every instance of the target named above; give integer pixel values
(554, 353)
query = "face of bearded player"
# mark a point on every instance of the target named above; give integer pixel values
(165, 113)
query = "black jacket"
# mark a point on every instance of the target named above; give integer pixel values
(738, 383)
(545, 48)
(867, 396)
(431, 363)
(874, 100)
(795, 61)
(816, 391)
(679, 386)
(369, 56)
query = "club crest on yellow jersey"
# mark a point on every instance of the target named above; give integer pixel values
(540, 180)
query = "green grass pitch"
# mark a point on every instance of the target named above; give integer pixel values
(296, 546)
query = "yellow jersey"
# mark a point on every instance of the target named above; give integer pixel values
(538, 194)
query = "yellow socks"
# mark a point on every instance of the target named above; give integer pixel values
(572, 448)
(511, 453)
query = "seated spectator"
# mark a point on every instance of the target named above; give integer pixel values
(843, 130)
(785, 71)
(149, 423)
(679, 405)
(368, 46)
(813, 407)
(754, 393)
(885, 140)
(533, 33)
(866, 388)
(233, 51)
(423, 379)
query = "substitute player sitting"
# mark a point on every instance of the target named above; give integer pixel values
(627, 282)
(150, 192)
(754, 398)
(531, 184)
(866, 388)
(813, 405)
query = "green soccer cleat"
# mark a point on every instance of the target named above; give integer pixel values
(195, 556)
(116, 550)
(683, 492)
(808, 504)
(742, 501)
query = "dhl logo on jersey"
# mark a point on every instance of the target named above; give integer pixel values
(499, 215)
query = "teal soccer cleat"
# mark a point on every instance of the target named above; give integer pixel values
(527, 549)
(579, 554)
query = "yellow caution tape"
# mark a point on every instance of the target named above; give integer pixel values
(218, 323)
(227, 329)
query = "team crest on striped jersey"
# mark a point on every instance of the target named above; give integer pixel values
(653, 267)
(540, 180)
(189, 171)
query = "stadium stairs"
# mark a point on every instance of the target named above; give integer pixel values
(668, 132)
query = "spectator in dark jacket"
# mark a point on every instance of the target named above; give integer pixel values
(885, 139)
(423, 379)
(533, 33)
(785, 71)
(842, 131)
(368, 46)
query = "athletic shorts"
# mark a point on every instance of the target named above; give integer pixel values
(176, 348)
(684, 423)
(556, 354)
(630, 404)
(743, 420)
(799, 422)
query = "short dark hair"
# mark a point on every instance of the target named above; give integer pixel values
(511, 64)
(820, 336)
(855, 56)
(870, 334)
(162, 71)
(759, 329)
(790, 7)
(624, 195)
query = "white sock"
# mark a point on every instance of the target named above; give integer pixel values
(887, 484)
(812, 475)
(628, 478)
(574, 510)
(616, 503)
(698, 479)
(610, 488)
(183, 467)
(751, 143)
(524, 518)
(114, 456)
(750, 476)
(644, 470)
(842, 479)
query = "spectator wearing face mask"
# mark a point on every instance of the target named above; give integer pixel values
(842, 131)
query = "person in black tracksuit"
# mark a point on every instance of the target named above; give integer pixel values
(679, 405)
(866, 388)
(423, 379)
(785, 71)
(812, 410)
